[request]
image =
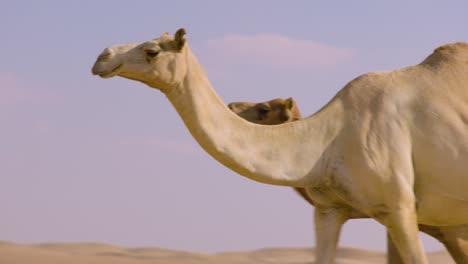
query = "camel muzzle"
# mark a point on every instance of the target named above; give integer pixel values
(104, 66)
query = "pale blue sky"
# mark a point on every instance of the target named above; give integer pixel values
(86, 159)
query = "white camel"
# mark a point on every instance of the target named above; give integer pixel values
(278, 111)
(389, 145)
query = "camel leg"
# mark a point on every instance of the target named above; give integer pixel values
(454, 238)
(456, 242)
(328, 222)
(403, 229)
(393, 256)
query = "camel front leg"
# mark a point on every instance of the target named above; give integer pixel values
(393, 256)
(328, 222)
(403, 229)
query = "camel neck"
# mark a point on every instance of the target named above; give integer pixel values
(287, 154)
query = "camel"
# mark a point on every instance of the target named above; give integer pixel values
(389, 145)
(279, 111)
(273, 112)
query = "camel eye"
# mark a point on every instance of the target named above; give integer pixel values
(264, 109)
(152, 53)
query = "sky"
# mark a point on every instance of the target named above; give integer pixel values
(85, 159)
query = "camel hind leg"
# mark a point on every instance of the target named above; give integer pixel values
(454, 238)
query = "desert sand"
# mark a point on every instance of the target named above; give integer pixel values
(94, 253)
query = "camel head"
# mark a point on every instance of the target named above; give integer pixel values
(274, 112)
(158, 63)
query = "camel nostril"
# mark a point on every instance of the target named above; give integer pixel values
(105, 54)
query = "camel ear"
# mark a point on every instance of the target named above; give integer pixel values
(290, 103)
(179, 39)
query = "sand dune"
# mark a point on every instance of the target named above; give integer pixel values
(93, 253)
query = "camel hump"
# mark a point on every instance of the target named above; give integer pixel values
(447, 53)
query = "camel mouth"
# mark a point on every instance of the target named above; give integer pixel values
(107, 74)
